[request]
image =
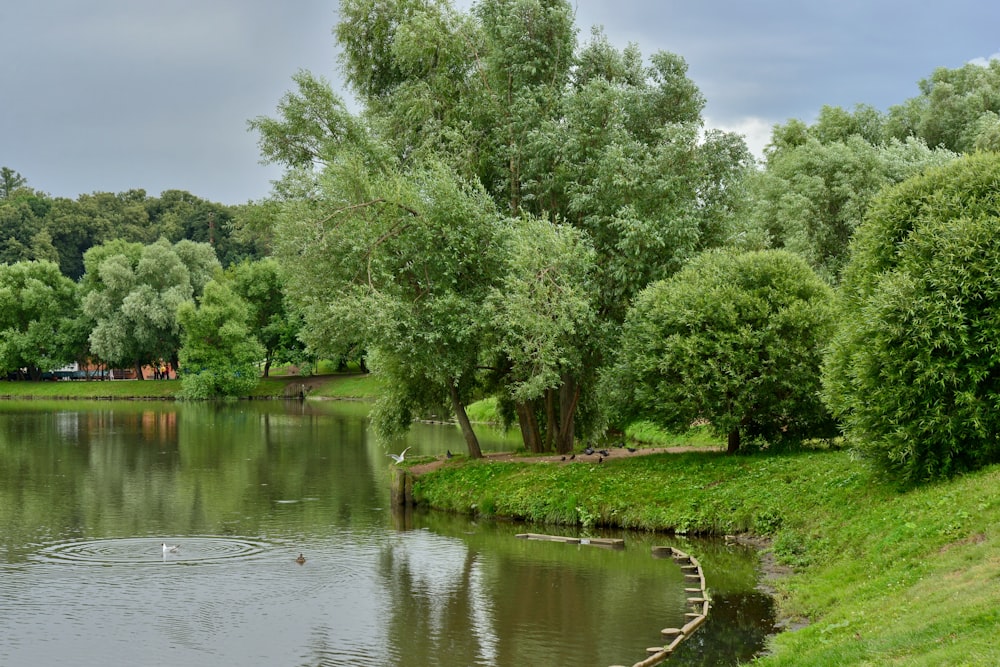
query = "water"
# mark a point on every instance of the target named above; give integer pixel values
(90, 491)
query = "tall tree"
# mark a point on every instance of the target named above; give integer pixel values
(131, 292)
(594, 139)
(38, 307)
(219, 353)
(261, 285)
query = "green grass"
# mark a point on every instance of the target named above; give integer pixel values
(882, 576)
(650, 434)
(112, 389)
(345, 386)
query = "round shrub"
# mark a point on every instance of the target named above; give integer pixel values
(914, 370)
(733, 338)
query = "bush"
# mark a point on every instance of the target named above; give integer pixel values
(914, 371)
(734, 339)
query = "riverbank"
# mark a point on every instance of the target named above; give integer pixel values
(335, 385)
(879, 576)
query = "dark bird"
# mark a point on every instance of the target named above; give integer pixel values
(448, 454)
(564, 458)
(605, 453)
(631, 449)
(572, 456)
(600, 459)
(588, 451)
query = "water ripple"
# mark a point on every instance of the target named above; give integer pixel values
(145, 550)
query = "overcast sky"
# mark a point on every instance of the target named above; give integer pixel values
(113, 95)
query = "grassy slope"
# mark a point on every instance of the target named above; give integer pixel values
(884, 577)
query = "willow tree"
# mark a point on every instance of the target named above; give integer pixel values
(592, 137)
(401, 259)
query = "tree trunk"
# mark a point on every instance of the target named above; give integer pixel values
(267, 366)
(734, 441)
(463, 420)
(569, 398)
(138, 370)
(529, 427)
(551, 421)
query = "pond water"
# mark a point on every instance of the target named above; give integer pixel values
(90, 491)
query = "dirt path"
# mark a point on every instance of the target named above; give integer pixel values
(579, 457)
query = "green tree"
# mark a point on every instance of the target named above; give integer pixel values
(956, 108)
(38, 307)
(596, 139)
(219, 353)
(10, 181)
(733, 338)
(913, 371)
(813, 192)
(542, 309)
(399, 259)
(131, 293)
(260, 284)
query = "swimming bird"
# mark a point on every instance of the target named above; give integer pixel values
(170, 549)
(398, 458)
(301, 559)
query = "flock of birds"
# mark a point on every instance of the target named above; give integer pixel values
(589, 451)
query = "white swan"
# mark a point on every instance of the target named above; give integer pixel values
(170, 549)
(398, 458)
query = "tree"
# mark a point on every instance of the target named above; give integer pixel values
(131, 293)
(399, 259)
(38, 307)
(542, 310)
(733, 338)
(500, 96)
(814, 192)
(956, 108)
(913, 371)
(10, 181)
(260, 284)
(219, 353)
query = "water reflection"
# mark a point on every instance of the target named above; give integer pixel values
(89, 491)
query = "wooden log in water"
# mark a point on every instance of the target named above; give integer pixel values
(548, 538)
(670, 632)
(693, 624)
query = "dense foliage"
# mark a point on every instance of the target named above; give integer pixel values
(38, 319)
(504, 100)
(219, 356)
(735, 339)
(914, 372)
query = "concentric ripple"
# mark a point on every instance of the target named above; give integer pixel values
(146, 550)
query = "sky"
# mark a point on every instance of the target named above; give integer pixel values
(114, 95)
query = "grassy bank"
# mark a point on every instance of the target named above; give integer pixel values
(344, 385)
(881, 576)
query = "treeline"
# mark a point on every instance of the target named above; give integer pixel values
(35, 226)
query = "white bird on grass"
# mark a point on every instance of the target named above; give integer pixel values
(170, 549)
(398, 458)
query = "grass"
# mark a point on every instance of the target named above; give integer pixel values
(882, 576)
(344, 385)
